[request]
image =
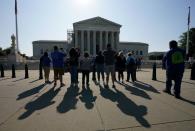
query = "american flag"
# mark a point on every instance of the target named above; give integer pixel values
(16, 10)
(189, 16)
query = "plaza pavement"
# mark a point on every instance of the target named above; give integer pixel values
(29, 105)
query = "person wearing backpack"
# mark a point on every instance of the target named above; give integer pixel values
(131, 67)
(173, 62)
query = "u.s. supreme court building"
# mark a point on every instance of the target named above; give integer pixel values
(92, 35)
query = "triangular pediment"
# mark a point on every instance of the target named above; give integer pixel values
(97, 21)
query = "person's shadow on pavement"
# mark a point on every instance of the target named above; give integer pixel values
(88, 98)
(107, 93)
(69, 101)
(145, 86)
(136, 91)
(41, 102)
(30, 92)
(129, 107)
(126, 106)
(188, 101)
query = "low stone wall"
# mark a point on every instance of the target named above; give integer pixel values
(34, 65)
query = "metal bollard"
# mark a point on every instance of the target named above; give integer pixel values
(2, 71)
(154, 72)
(40, 72)
(26, 71)
(193, 72)
(13, 71)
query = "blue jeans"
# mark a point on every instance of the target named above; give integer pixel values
(73, 73)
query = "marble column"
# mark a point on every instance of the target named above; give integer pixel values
(117, 40)
(94, 43)
(76, 38)
(112, 40)
(100, 40)
(88, 41)
(106, 39)
(82, 41)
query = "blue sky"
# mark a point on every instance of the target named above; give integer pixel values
(155, 22)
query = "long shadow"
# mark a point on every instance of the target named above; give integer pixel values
(129, 107)
(188, 101)
(145, 86)
(30, 92)
(18, 80)
(88, 98)
(107, 93)
(34, 81)
(182, 81)
(188, 82)
(126, 106)
(41, 102)
(136, 91)
(69, 101)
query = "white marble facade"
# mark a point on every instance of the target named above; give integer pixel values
(92, 35)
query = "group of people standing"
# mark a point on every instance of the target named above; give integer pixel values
(107, 62)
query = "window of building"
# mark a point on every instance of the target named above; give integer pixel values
(41, 51)
(137, 52)
(141, 52)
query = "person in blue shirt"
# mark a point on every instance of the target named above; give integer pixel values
(173, 62)
(131, 67)
(58, 65)
(45, 62)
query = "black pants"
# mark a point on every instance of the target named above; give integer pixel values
(120, 74)
(85, 74)
(132, 72)
(176, 76)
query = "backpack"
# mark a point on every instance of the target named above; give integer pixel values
(177, 57)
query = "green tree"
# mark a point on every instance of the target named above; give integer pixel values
(183, 41)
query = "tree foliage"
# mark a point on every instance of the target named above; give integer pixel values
(5, 52)
(183, 41)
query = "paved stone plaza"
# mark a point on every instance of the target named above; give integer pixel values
(29, 105)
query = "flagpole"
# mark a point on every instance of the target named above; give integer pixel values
(187, 44)
(16, 20)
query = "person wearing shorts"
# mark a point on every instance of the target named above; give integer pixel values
(58, 65)
(109, 59)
